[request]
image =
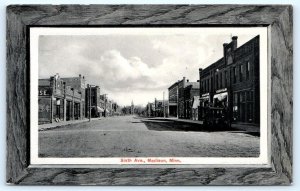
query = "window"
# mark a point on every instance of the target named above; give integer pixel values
(225, 81)
(207, 85)
(221, 80)
(248, 70)
(235, 108)
(234, 74)
(241, 72)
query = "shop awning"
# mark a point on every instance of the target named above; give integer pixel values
(221, 96)
(100, 109)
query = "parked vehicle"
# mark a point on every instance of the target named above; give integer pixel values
(216, 118)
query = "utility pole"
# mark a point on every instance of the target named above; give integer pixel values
(149, 109)
(164, 104)
(177, 93)
(90, 97)
(105, 105)
(155, 107)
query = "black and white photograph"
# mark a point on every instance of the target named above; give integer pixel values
(150, 95)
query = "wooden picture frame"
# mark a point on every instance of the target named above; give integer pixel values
(278, 18)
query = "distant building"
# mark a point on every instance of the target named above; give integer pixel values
(115, 109)
(184, 97)
(195, 107)
(161, 108)
(232, 82)
(150, 110)
(105, 105)
(59, 100)
(93, 102)
(109, 108)
(78, 83)
(132, 108)
(190, 91)
(173, 100)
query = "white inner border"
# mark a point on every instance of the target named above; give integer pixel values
(263, 159)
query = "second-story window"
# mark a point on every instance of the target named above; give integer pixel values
(234, 74)
(247, 70)
(241, 72)
(208, 85)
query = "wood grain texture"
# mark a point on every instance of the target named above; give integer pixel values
(278, 18)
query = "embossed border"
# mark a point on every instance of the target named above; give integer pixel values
(279, 19)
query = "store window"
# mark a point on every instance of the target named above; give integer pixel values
(235, 108)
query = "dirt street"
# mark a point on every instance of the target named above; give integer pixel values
(129, 136)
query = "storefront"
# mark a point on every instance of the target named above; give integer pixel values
(100, 111)
(195, 106)
(220, 99)
(204, 102)
(243, 106)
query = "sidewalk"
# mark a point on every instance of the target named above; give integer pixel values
(246, 127)
(176, 119)
(238, 126)
(54, 125)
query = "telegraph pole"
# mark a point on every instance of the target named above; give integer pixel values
(90, 96)
(105, 105)
(164, 104)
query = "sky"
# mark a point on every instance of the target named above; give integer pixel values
(134, 66)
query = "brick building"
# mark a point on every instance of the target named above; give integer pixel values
(93, 101)
(173, 100)
(59, 100)
(185, 90)
(232, 82)
(190, 91)
(161, 108)
(79, 84)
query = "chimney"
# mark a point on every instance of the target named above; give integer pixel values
(183, 81)
(234, 42)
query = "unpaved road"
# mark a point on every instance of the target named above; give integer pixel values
(128, 136)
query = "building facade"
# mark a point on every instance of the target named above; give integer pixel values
(232, 82)
(79, 85)
(195, 107)
(185, 87)
(173, 100)
(161, 108)
(93, 101)
(58, 101)
(190, 91)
